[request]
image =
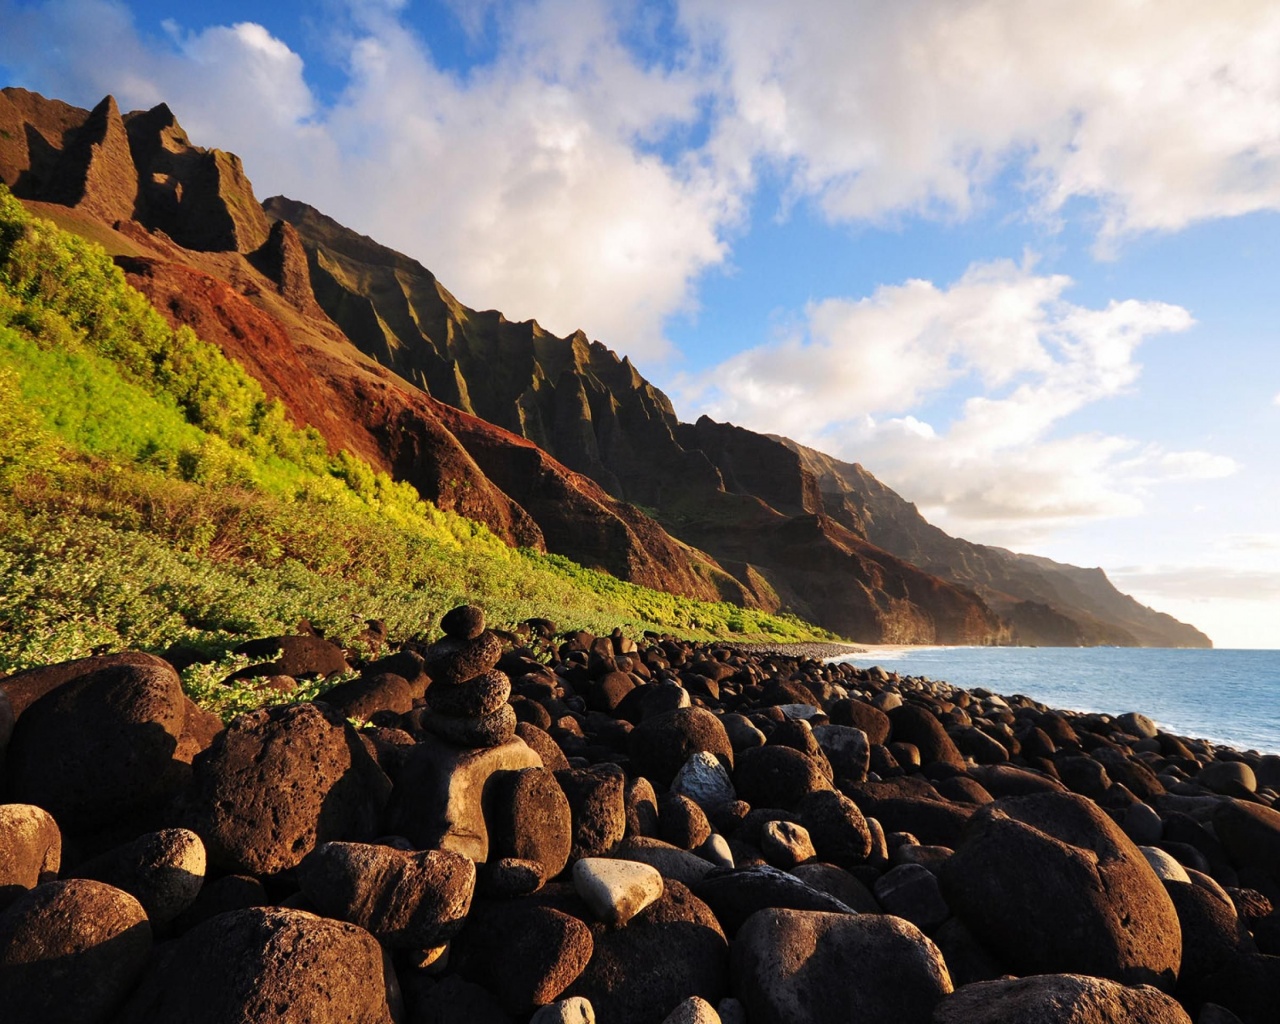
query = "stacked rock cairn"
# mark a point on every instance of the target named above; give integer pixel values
(467, 701)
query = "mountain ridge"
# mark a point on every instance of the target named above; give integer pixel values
(555, 443)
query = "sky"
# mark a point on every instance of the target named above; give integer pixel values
(1019, 260)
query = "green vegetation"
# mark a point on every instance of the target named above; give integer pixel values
(150, 495)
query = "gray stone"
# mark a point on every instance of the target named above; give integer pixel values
(1166, 868)
(848, 749)
(786, 844)
(703, 780)
(616, 890)
(694, 1010)
(670, 861)
(30, 849)
(575, 1010)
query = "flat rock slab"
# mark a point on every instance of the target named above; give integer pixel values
(438, 799)
(1058, 999)
(616, 890)
(805, 967)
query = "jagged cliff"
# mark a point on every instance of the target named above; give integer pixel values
(554, 443)
(1045, 602)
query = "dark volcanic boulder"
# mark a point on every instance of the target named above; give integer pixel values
(1050, 884)
(863, 715)
(1212, 936)
(30, 849)
(1251, 835)
(525, 954)
(366, 696)
(529, 818)
(776, 776)
(300, 656)
(839, 831)
(597, 808)
(802, 967)
(25, 688)
(278, 781)
(735, 894)
(454, 660)
(660, 745)
(414, 900)
(100, 748)
(669, 951)
(69, 952)
(268, 965)
(917, 726)
(1058, 999)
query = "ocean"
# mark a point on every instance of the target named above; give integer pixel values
(1230, 697)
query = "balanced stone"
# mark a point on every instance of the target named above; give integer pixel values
(475, 698)
(491, 730)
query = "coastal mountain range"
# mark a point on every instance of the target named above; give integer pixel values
(554, 443)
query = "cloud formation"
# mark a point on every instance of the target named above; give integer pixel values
(580, 176)
(1003, 360)
(1160, 113)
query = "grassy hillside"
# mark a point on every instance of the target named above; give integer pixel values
(150, 495)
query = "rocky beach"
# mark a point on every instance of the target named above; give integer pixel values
(530, 825)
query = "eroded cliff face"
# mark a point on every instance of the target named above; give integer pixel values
(740, 496)
(1045, 602)
(555, 443)
(190, 235)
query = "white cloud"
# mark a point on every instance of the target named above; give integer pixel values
(1003, 361)
(1163, 113)
(531, 182)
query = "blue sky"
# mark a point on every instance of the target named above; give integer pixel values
(1019, 260)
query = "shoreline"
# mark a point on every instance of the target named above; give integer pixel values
(765, 809)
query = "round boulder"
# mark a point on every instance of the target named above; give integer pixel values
(278, 781)
(70, 951)
(30, 849)
(529, 818)
(805, 967)
(100, 748)
(661, 744)
(163, 870)
(269, 965)
(777, 776)
(669, 951)
(1052, 885)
